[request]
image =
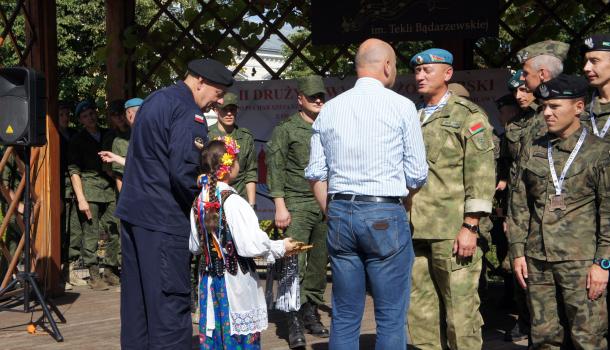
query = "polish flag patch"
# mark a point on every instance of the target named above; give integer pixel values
(199, 119)
(476, 128)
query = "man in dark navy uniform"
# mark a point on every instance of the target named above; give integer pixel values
(159, 185)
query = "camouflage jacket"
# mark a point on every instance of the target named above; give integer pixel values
(85, 162)
(513, 140)
(461, 177)
(287, 157)
(120, 144)
(246, 157)
(602, 114)
(562, 235)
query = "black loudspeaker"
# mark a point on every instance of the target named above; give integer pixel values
(22, 107)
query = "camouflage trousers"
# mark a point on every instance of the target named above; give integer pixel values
(560, 308)
(444, 309)
(103, 227)
(307, 225)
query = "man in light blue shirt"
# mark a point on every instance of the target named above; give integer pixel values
(367, 155)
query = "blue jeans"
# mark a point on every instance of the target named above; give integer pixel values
(369, 240)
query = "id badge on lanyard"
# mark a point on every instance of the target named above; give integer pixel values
(557, 200)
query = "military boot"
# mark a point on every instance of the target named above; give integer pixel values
(73, 276)
(296, 337)
(311, 320)
(95, 279)
(111, 277)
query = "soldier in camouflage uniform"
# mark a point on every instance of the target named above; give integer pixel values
(542, 62)
(69, 218)
(296, 209)
(245, 183)
(596, 51)
(561, 229)
(95, 195)
(444, 310)
(510, 148)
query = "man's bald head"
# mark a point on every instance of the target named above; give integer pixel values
(376, 59)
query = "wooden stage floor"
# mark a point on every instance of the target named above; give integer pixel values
(93, 323)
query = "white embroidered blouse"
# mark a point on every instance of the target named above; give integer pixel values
(247, 306)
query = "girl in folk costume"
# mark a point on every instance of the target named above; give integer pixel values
(225, 231)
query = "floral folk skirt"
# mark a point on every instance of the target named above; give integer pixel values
(221, 338)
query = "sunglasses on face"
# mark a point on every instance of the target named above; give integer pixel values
(315, 97)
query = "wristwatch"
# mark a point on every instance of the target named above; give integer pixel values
(472, 228)
(603, 263)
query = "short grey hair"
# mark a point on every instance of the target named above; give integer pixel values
(547, 62)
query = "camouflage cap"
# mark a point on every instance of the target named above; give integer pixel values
(311, 85)
(459, 89)
(596, 42)
(229, 99)
(548, 47)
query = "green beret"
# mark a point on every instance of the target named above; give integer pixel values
(311, 85)
(596, 42)
(229, 99)
(548, 47)
(515, 81)
(563, 86)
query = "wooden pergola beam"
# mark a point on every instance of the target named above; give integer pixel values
(120, 67)
(42, 32)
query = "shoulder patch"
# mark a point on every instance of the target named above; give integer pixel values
(199, 118)
(471, 106)
(476, 128)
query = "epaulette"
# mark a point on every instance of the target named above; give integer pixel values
(471, 106)
(245, 130)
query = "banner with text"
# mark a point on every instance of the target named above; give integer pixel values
(349, 21)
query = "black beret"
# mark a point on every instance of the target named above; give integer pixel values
(211, 70)
(564, 86)
(596, 42)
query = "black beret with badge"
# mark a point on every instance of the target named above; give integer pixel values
(563, 86)
(211, 70)
(596, 42)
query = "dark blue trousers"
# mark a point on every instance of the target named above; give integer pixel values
(155, 290)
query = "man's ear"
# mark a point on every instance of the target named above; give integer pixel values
(579, 105)
(448, 74)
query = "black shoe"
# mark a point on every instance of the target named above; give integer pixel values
(296, 337)
(311, 320)
(515, 334)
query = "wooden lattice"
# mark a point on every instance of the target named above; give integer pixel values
(488, 52)
(12, 14)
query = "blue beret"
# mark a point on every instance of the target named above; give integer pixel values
(515, 81)
(83, 105)
(211, 70)
(432, 56)
(134, 102)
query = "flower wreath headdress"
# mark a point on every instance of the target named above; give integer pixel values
(227, 160)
